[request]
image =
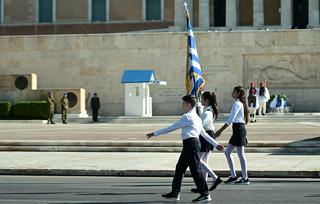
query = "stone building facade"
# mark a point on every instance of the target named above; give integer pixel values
(25, 17)
(287, 60)
(238, 41)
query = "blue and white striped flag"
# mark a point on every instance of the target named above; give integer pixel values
(194, 78)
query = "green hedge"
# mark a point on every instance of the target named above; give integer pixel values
(5, 109)
(31, 110)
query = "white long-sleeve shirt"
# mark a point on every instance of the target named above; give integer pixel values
(207, 118)
(237, 113)
(191, 126)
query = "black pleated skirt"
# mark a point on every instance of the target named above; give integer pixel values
(239, 134)
(206, 146)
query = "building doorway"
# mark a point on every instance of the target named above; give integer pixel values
(300, 14)
(219, 13)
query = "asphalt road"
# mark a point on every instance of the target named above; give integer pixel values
(44, 189)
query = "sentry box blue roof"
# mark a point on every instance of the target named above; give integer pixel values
(138, 76)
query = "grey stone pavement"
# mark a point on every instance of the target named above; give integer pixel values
(280, 145)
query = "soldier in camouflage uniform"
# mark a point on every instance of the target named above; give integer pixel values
(51, 106)
(64, 108)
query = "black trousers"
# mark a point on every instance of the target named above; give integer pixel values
(95, 114)
(189, 157)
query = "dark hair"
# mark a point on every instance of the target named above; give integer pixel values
(243, 100)
(252, 87)
(262, 91)
(191, 99)
(212, 101)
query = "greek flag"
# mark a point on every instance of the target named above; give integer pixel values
(194, 78)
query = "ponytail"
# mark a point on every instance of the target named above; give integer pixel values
(243, 100)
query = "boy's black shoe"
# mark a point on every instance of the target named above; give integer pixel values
(52, 122)
(194, 190)
(171, 196)
(231, 180)
(242, 182)
(202, 199)
(215, 183)
(64, 122)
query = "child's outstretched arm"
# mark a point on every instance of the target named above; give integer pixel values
(177, 125)
(211, 140)
(150, 135)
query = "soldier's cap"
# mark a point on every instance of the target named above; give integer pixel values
(50, 92)
(94, 94)
(65, 94)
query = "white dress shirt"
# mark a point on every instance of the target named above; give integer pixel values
(237, 113)
(207, 118)
(191, 126)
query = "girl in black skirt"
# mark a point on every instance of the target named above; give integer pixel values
(208, 115)
(239, 119)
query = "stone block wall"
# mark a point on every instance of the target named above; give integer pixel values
(288, 60)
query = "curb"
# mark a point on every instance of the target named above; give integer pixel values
(296, 150)
(306, 147)
(165, 119)
(152, 173)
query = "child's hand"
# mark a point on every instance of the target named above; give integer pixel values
(217, 134)
(220, 147)
(149, 135)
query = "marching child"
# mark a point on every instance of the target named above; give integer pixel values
(208, 115)
(191, 126)
(239, 119)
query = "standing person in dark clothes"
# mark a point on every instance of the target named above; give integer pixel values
(64, 108)
(51, 106)
(95, 105)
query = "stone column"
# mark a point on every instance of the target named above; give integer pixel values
(313, 13)
(286, 13)
(204, 14)
(231, 13)
(179, 14)
(258, 13)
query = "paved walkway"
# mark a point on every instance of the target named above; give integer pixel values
(284, 129)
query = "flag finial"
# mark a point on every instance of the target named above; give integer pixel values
(185, 6)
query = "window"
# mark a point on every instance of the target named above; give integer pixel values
(0, 11)
(45, 11)
(271, 12)
(246, 13)
(134, 91)
(153, 9)
(99, 10)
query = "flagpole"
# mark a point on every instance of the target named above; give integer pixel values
(188, 19)
(187, 61)
(194, 78)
